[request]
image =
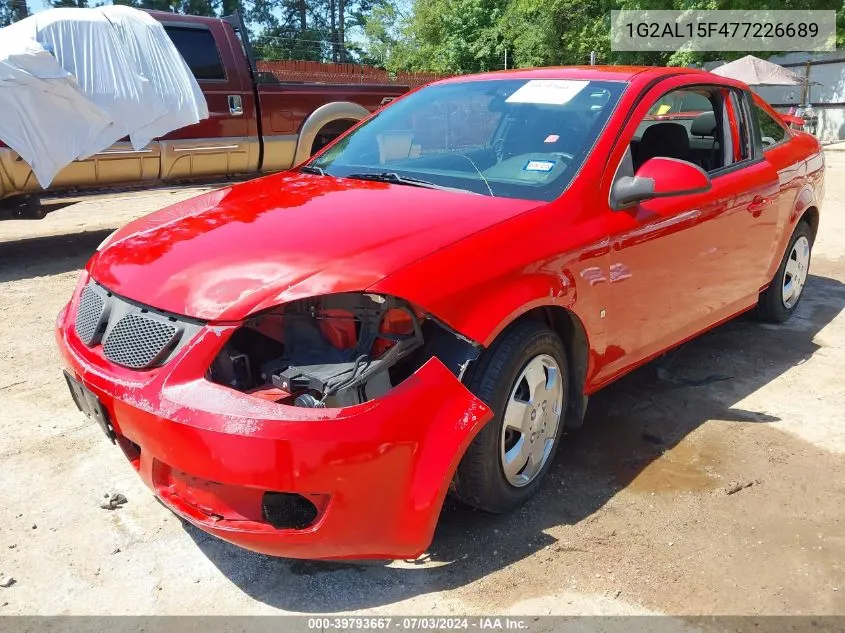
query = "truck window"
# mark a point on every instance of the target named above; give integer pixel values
(198, 48)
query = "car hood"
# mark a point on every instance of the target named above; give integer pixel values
(234, 251)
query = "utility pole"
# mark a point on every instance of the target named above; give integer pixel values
(332, 10)
(506, 57)
(341, 24)
(592, 58)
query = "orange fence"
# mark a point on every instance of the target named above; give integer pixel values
(321, 72)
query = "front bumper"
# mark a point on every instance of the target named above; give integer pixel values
(380, 470)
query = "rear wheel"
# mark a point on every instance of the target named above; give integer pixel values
(523, 378)
(780, 300)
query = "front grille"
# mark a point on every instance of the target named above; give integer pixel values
(88, 319)
(139, 340)
(132, 335)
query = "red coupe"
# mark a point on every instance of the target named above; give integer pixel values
(306, 364)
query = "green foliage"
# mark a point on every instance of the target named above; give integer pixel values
(445, 36)
(74, 4)
(453, 36)
(12, 11)
(456, 36)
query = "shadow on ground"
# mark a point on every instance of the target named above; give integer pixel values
(50, 255)
(629, 425)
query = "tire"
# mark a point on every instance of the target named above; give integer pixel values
(25, 206)
(501, 378)
(773, 305)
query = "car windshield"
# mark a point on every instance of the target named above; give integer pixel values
(509, 138)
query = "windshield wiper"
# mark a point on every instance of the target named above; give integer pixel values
(313, 169)
(393, 178)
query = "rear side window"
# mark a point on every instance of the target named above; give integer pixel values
(198, 48)
(683, 124)
(680, 102)
(771, 132)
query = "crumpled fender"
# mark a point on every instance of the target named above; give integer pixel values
(387, 463)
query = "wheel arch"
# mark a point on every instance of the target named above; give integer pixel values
(569, 327)
(811, 217)
(321, 117)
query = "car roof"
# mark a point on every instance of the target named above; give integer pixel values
(605, 73)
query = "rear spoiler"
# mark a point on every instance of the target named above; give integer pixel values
(791, 119)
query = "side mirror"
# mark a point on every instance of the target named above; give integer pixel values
(659, 177)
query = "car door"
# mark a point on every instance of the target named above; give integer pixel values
(672, 261)
(227, 142)
(775, 149)
(753, 215)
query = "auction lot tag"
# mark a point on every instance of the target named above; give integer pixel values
(547, 91)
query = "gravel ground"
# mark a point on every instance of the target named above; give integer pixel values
(725, 498)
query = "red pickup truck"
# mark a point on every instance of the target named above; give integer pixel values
(257, 122)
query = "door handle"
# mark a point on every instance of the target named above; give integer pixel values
(758, 205)
(236, 105)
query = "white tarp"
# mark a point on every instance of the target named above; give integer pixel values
(79, 80)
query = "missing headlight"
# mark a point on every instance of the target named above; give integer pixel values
(331, 351)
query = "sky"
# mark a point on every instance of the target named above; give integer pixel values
(39, 5)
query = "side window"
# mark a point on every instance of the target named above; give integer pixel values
(771, 132)
(680, 101)
(682, 124)
(199, 49)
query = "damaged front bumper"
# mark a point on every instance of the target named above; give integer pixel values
(374, 475)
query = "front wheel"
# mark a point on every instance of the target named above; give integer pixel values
(780, 300)
(523, 378)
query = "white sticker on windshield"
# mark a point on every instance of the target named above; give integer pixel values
(548, 91)
(539, 165)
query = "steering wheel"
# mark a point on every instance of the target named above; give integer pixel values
(567, 158)
(498, 148)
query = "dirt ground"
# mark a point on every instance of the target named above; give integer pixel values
(635, 517)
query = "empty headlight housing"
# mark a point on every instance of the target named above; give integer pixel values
(335, 350)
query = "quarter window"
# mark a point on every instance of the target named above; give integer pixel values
(740, 116)
(771, 132)
(198, 48)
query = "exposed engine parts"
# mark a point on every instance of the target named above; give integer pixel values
(336, 350)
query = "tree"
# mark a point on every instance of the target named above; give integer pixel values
(385, 42)
(12, 11)
(557, 32)
(455, 36)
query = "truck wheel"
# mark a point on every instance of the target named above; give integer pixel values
(523, 378)
(779, 301)
(34, 209)
(26, 206)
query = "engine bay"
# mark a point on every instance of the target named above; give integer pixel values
(336, 350)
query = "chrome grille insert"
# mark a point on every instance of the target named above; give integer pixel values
(139, 340)
(88, 317)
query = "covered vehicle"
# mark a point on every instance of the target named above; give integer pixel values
(306, 364)
(79, 80)
(203, 110)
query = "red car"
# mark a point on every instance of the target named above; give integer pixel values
(305, 364)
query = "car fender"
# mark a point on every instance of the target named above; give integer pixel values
(534, 268)
(806, 197)
(322, 116)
